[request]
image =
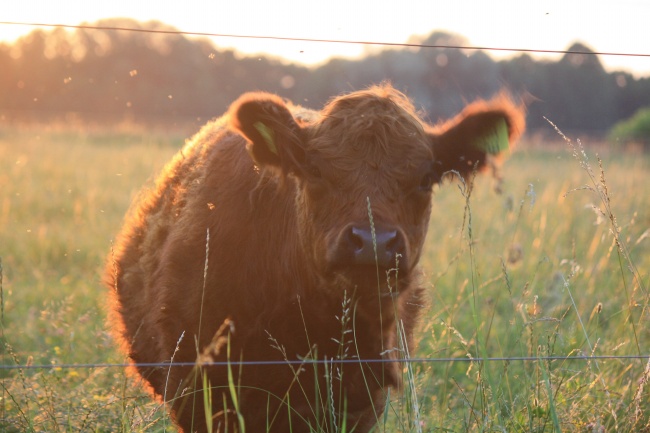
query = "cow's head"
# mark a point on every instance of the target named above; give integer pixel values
(365, 167)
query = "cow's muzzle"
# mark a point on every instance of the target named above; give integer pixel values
(361, 246)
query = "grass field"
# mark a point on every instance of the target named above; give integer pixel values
(558, 264)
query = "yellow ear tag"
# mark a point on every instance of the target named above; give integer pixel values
(495, 141)
(268, 136)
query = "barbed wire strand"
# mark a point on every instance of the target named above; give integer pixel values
(323, 361)
(335, 41)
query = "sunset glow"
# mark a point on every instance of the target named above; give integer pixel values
(604, 26)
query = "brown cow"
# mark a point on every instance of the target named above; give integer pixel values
(313, 224)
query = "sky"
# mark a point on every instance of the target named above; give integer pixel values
(619, 26)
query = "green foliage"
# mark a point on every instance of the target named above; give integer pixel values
(634, 129)
(555, 266)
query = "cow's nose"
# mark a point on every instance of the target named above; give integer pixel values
(360, 245)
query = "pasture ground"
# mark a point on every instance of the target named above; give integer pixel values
(558, 264)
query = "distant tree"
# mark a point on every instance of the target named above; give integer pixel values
(583, 96)
(8, 81)
(635, 129)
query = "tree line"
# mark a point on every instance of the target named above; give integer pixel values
(106, 75)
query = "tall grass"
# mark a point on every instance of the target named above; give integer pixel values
(538, 276)
(557, 265)
(62, 198)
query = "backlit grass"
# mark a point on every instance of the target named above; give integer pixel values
(532, 272)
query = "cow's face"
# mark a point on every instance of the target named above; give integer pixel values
(364, 169)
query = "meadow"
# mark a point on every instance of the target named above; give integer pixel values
(555, 265)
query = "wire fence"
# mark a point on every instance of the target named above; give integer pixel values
(331, 41)
(326, 361)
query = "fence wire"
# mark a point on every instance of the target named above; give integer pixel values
(331, 41)
(325, 361)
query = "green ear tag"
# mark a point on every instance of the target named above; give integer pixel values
(268, 136)
(495, 141)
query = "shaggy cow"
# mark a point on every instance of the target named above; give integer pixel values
(289, 236)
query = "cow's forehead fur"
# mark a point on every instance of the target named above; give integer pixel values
(370, 129)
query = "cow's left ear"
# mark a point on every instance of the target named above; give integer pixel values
(482, 132)
(274, 137)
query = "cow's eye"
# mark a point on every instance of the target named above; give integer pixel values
(311, 168)
(315, 171)
(427, 181)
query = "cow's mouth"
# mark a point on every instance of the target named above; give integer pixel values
(371, 278)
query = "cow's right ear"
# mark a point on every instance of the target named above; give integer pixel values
(274, 137)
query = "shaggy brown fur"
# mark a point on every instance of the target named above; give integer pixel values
(283, 194)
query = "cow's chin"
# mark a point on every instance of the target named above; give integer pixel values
(369, 279)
